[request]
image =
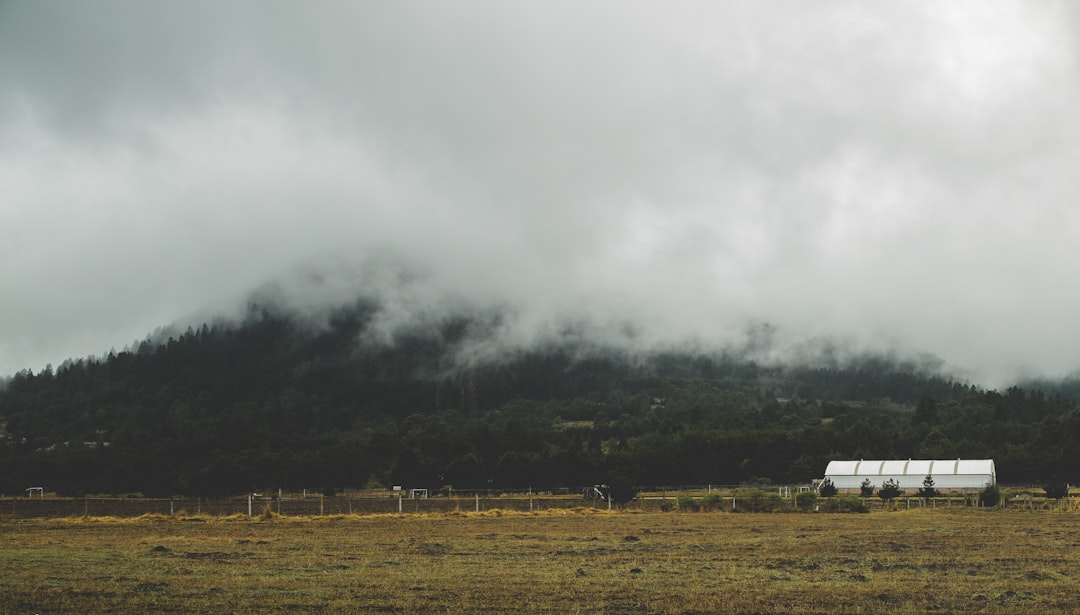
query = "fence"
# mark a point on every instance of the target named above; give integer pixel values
(660, 499)
(22, 508)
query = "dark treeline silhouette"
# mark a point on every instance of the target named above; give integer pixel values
(278, 402)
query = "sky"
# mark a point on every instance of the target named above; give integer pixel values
(889, 177)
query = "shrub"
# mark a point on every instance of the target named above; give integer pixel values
(805, 500)
(622, 491)
(846, 504)
(756, 500)
(827, 489)
(267, 513)
(687, 504)
(1056, 489)
(990, 495)
(712, 501)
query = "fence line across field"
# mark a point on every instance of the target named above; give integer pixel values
(725, 497)
(53, 507)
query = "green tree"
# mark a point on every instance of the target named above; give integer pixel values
(621, 489)
(890, 490)
(925, 411)
(990, 495)
(927, 491)
(866, 488)
(1056, 489)
(936, 445)
(827, 489)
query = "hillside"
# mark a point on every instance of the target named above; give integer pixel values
(281, 401)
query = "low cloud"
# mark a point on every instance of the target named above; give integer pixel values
(882, 176)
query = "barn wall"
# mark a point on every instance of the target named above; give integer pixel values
(914, 482)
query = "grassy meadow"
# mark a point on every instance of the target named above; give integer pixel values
(918, 561)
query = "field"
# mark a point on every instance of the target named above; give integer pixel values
(918, 561)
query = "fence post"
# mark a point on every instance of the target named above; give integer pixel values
(477, 501)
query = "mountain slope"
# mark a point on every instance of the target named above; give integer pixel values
(283, 401)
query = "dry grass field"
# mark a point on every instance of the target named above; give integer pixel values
(956, 560)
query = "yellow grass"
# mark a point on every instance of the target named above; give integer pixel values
(567, 561)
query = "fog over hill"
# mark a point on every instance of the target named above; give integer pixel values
(795, 183)
(385, 390)
(402, 303)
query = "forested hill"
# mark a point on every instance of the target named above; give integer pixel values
(279, 401)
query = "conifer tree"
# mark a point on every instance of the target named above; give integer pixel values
(928, 491)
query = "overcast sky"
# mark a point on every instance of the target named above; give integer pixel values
(895, 175)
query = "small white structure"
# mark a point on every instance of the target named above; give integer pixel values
(948, 474)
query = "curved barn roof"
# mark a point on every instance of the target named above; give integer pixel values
(911, 467)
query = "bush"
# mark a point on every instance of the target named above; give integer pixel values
(756, 500)
(846, 504)
(622, 491)
(990, 495)
(827, 489)
(267, 513)
(686, 503)
(805, 500)
(713, 501)
(1056, 489)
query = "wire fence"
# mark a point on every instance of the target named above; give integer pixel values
(54, 507)
(654, 499)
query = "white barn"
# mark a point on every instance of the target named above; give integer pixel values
(948, 474)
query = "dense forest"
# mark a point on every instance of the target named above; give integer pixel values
(279, 401)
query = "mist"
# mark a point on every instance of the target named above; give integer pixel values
(886, 178)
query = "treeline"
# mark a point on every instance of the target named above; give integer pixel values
(278, 401)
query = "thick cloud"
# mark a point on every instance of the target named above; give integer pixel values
(894, 175)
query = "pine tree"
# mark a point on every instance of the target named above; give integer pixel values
(866, 489)
(890, 490)
(827, 489)
(928, 490)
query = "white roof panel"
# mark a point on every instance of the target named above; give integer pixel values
(911, 467)
(894, 467)
(841, 468)
(920, 467)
